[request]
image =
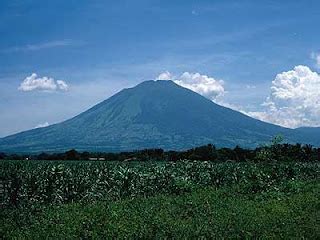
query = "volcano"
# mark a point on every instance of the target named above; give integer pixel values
(154, 114)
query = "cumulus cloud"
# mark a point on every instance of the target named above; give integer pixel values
(294, 100)
(42, 125)
(165, 76)
(33, 82)
(202, 84)
(62, 85)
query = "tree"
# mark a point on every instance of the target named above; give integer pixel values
(72, 155)
(307, 152)
(2, 155)
(271, 152)
(85, 155)
(206, 153)
(240, 153)
(43, 156)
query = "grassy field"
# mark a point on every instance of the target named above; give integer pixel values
(59, 200)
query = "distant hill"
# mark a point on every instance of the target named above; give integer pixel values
(154, 114)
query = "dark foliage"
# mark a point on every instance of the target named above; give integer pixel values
(272, 152)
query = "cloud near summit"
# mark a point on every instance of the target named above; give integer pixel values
(293, 101)
(33, 83)
(202, 84)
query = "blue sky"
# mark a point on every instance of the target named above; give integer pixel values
(100, 47)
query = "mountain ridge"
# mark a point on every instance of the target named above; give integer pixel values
(153, 114)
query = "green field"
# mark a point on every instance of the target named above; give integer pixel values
(184, 199)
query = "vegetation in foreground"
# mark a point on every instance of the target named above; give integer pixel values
(184, 199)
(270, 192)
(206, 213)
(26, 183)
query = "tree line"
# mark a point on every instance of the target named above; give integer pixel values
(275, 151)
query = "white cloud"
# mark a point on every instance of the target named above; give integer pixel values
(33, 82)
(294, 100)
(42, 125)
(316, 57)
(202, 84)
(165, 76)
(62, 85)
